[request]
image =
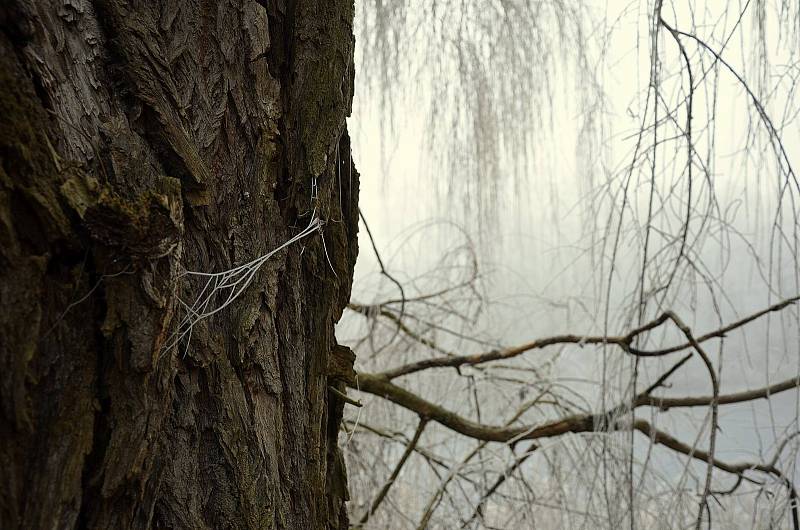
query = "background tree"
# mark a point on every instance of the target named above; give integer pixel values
(651, 201)
(154, 155)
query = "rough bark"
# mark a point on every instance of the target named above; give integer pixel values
(140, 139)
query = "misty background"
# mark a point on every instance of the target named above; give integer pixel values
(529, 152)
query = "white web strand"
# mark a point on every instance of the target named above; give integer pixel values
(233, 281)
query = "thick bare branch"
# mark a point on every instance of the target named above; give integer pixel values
(379, 385)
(623, 341)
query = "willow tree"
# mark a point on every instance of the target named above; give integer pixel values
(638, 365)
(154, 157)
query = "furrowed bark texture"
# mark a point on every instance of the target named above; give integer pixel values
(139, 140)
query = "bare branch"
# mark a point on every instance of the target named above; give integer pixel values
(712, 437)
(400, 463)
(499, 482)
(665, 403)
(367, 310)
(383, 268)
(379, 385)
(434, 501)
(623, 341)
(669, 441)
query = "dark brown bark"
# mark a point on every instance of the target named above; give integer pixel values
(139, 140)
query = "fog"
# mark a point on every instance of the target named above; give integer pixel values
(559, 218)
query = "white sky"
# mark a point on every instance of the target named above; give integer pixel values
(538, 256)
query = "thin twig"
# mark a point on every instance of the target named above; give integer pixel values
(397, 468)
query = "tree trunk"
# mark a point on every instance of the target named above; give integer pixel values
(140, 140)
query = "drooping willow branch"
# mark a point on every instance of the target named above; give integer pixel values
(712, 437)
(383, 269)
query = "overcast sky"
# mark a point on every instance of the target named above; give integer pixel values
(543, 254)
